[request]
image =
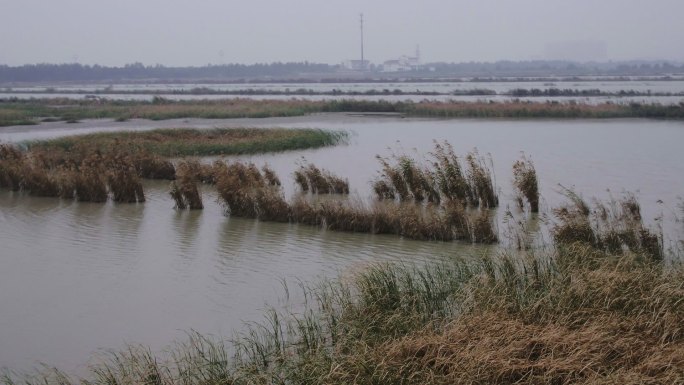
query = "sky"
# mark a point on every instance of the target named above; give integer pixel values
(200, 32)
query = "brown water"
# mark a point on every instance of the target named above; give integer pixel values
(77, 277)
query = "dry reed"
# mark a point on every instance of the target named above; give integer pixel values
(184, 189)
(615, 226)
(402, 177)
(318, 181)
(525, 182)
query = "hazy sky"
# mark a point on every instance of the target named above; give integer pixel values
(175, 32)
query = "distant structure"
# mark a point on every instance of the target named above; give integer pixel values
(403, 63)
(358, 65)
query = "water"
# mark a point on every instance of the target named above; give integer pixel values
(606, 85)
(148, 91)
(78, 277)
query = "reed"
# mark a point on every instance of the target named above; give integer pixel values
(437, 223)
(449, 175)
(615, 226)
(122, 179)
(89, 180)
(304, 212)
(125, 187)
(150, 166)
(403, 178)
(177, 196)
(92, 167)
(184, 189)
(344, 217)
(481, 181)
(11, 165)
(38, 182)
(318, 181)
(249, 193)
(482, 228)
(525, 182)
(270, 176)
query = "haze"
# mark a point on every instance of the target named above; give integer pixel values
(182, 33)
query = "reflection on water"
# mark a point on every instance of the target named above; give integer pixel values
(75, 277)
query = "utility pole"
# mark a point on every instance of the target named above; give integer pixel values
(362, 62)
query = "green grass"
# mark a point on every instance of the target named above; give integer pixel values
(192, 142)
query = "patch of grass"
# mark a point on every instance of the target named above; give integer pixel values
(192, 142)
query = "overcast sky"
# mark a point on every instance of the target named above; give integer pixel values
(179, 33)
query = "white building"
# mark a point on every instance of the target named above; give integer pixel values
(403, 63)
(357, 65)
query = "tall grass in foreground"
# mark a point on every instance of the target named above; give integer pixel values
(575, 315)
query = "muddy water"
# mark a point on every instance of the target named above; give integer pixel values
(75, 278)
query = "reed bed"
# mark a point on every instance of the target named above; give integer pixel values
(310, 178)
(194, 142)
(86, 177)
(16, 111)
(247, 192)
(95, 166)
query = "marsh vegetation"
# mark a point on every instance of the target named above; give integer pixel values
(94, 166)
(600, 303)
(33, 111)
(575, 312)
